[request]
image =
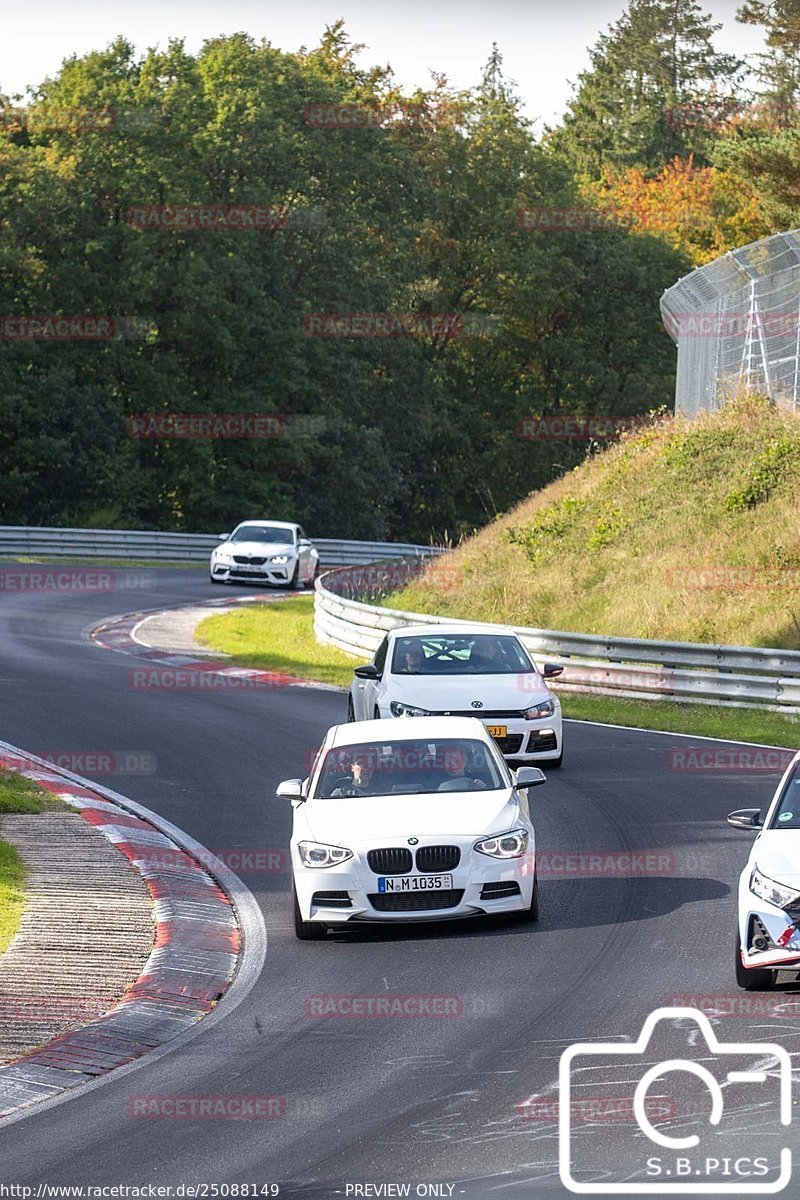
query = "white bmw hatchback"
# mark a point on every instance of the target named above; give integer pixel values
(413, 821)
(273, 552)
(768, 928)
(464, 670)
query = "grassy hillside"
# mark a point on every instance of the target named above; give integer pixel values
(683, 531)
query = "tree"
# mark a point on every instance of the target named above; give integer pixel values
(626, 112)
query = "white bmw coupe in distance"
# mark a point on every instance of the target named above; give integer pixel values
(768, 932)
(410, 821)
(274, 552)
(461, 670)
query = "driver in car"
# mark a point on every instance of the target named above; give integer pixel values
(357, 782)
(412, 657)
(459, 776)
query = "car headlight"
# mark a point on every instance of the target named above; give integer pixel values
(546, 709)
(317, 854)
(222, 555)
(504, 845)
(280, 558)
(398, 709)
(772, 892)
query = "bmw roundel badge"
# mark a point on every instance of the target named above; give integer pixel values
(413, 841)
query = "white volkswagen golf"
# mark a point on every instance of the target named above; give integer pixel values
(464, 670)
(414, 821)
(768, 930)
(275, 552)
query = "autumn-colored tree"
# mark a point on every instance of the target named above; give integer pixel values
(702, 211)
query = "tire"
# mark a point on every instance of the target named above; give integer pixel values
(351, 713)
(754, 979)
(306, 931)
(376, 716)
(292, 584)
(219, 582)
(554, 763)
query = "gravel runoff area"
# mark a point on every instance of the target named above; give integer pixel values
(85, 936)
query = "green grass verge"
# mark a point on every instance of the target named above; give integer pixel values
(277, 636)
(280, 637)
(734, 724)
(104, 562)
(19, 795)
(12, 893)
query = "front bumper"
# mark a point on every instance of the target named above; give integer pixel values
(321, 894)
(524, 741)
(764, 922)
(248, 573)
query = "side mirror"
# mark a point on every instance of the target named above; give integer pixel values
(552, 670)
(223, 537)
(527, 777)
(290, 789)
(746, 818)
(369, 671)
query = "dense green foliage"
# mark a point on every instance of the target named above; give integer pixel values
(415, 435)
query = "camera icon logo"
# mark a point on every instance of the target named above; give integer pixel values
(732, 1074)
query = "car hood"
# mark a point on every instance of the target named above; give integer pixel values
(361, 819)
(455, 693)
(777, 854)
(257, 549)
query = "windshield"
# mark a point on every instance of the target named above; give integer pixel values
(412, 767)
(263, 533)
(787, 813)
(458, 654)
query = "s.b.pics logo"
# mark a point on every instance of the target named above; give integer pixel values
(723, 1136)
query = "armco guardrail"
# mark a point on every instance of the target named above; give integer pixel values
(739, 676)
(131, 545)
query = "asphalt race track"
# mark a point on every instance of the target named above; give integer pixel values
(384, 1099)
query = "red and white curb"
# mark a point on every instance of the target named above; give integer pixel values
(202, 915)
(118, 634)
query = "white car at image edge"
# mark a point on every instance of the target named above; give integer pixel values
(464, 670)
(271, 552)
(410, 821)
(768, 929)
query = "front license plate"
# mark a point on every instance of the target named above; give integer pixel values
(497, 730)
(414, 883)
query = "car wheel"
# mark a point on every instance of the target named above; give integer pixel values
(293, 581)
(554, 763)
(306, 931)
(214, 580)
(376, 716)
(351, 712)
(754, 979)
